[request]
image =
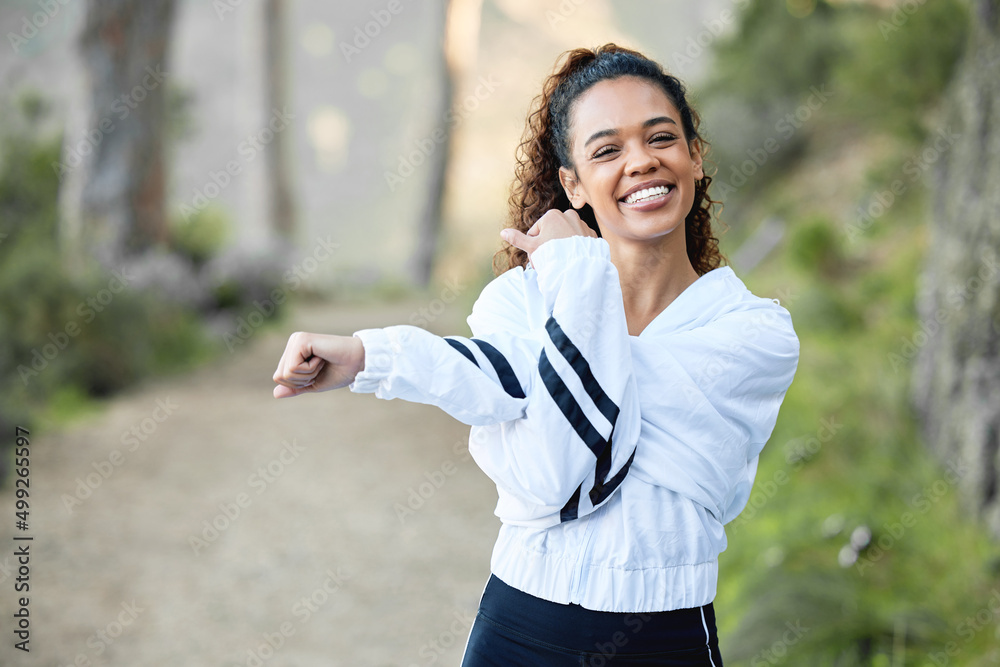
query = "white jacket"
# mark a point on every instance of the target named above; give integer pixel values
(617, 458)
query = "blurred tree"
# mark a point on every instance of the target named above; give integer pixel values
(124, 44)
(458, 53)
(956, 384)
(281, 202)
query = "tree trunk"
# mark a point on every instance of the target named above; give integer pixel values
(281, 203)
(124, 44)
(956, 385)
(460, 42)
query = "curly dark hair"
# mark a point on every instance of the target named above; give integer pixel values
(545, 146)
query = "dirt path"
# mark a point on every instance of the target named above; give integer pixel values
(318, 562)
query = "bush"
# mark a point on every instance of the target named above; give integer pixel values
(202, 235)
(68, 333)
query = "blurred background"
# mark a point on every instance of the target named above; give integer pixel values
(183, 184)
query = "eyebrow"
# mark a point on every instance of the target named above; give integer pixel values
(612, 132)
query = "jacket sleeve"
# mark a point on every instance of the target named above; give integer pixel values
(722, 386)
(555, 401)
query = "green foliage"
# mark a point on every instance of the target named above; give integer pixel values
(763, 72)
(854, 536)
(29, 192)
(797, 70)
(774, 57)
(900, 64)
(816, 247)
(845, 455)
(202, 235)
(28, 218)
(68, 334)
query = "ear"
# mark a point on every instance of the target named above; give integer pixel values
(571, 185)
(695, 148)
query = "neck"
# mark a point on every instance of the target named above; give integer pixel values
(652, 274)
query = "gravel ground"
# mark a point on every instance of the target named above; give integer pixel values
(319, 562)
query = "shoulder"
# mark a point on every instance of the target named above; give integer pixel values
(719, 310)
(733, 342)
(722, 296)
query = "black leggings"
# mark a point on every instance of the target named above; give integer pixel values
(513, 628)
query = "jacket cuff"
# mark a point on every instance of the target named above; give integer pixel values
(552, 258)
(557, 251)
(379, 346)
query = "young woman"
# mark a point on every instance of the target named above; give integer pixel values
(620, 383)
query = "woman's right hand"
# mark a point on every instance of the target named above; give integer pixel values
(318, 362)
(554, 224)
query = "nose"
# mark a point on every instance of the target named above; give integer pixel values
(639, 160)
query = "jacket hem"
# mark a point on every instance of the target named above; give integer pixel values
(605, 587)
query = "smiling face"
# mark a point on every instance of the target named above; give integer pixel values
(631, 161)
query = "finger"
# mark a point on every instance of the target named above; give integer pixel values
(295, 383)
(518, 239)
(295, 355)
(308, 367)
(284, 373)
(296, 377)
(294, 388)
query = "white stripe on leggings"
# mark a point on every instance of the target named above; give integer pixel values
(708, 638)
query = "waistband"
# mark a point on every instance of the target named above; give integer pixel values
(575, 628)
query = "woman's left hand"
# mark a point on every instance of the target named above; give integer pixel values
(554, 224)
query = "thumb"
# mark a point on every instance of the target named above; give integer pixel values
(281, 391)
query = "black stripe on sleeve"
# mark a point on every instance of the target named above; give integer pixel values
(464, 350)
(582, 368)
(604, 462)
(599, 494)
(502, 367)
(570, 509)
(570, 408)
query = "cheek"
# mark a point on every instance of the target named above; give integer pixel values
(599, 190)
(688, 197)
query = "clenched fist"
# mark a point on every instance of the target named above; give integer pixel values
(318, 362)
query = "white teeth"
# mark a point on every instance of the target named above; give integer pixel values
(648, 193)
